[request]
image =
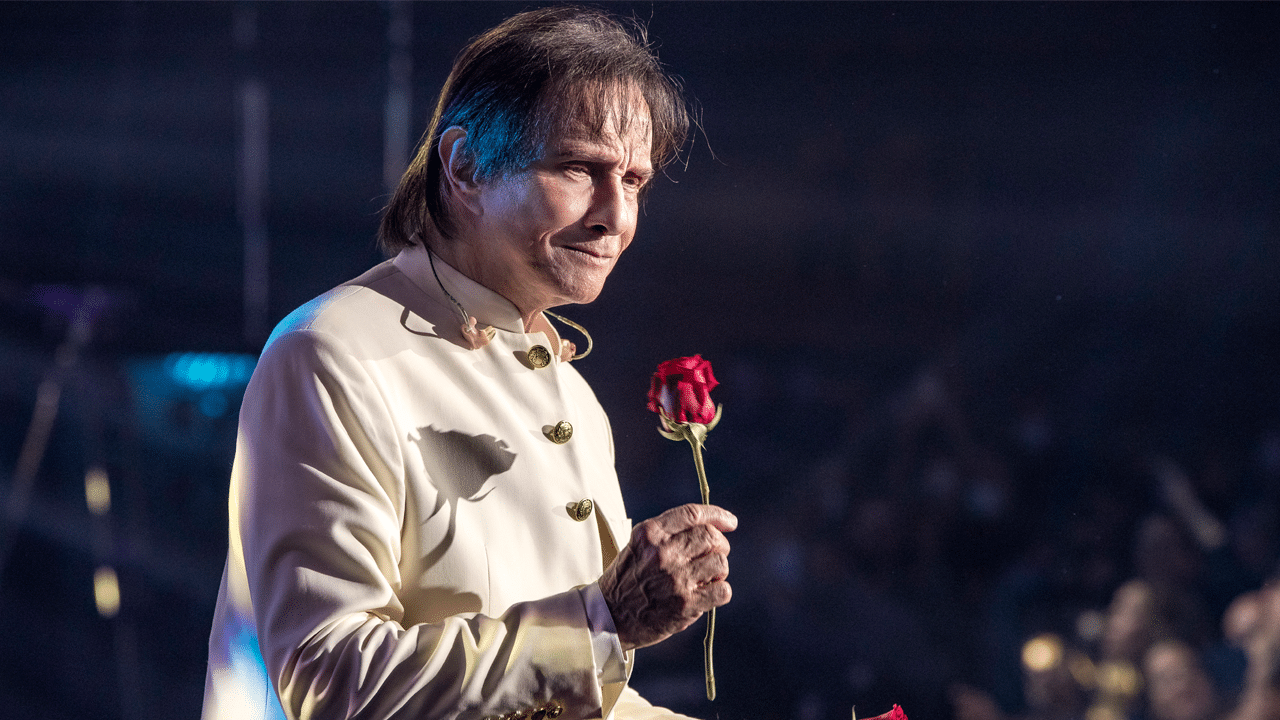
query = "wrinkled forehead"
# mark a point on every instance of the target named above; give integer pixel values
(596, 111)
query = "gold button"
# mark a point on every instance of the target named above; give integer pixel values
(560, 433)
(581, 510)
(538, 356)
(553, 709)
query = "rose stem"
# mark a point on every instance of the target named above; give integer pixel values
(702, 473)
(708, 669)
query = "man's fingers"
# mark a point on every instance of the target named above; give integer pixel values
(701, 540)
(715, 594)
(708, 569)
(679, 519)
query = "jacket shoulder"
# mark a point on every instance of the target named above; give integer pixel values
(346, 308)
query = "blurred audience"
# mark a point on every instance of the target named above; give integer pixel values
(924, 547)
(1051, 683)
(1178, 687)
(1252, 623)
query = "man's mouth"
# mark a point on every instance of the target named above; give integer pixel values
(597, 253)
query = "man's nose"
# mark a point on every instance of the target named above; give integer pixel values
(611, 211)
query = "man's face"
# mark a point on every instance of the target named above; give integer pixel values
(550, 235)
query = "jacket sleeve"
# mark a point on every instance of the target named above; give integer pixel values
(633, 707)
(317, 502)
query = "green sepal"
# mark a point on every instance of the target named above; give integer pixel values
(692, 431)
(715, 420)
(697, 433)
(670, 435)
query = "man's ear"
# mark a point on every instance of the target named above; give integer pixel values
(458, 165)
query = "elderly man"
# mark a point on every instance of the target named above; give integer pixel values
(425, 521)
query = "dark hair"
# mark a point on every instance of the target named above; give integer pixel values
(515, 86)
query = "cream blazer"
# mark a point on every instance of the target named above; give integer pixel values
(407, 539)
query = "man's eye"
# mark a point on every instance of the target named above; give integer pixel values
(576, 169)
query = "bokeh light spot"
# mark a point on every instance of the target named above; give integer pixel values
(106, 592)
(97, 491)
(1043, 652)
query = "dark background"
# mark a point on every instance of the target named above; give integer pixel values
(1046, 231)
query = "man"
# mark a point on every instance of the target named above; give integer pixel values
(425, 520)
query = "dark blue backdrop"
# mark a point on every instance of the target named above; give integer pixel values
(1050, 230)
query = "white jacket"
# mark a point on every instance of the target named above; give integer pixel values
(403, 541)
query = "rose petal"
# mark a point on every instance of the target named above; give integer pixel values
(895, 714)
(681, 388)
(667, 402)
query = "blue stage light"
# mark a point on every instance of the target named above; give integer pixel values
(200, 371)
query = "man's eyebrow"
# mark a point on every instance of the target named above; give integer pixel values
(580, 147)
(592, 152)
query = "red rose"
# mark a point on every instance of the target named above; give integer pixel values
(894, 714)
(681, 388)
(680, 393)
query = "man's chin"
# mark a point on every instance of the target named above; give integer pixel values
(582, 298)
(580, 291)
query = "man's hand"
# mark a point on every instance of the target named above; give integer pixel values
(673, 570)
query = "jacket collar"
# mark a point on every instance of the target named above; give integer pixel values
(485, 305)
